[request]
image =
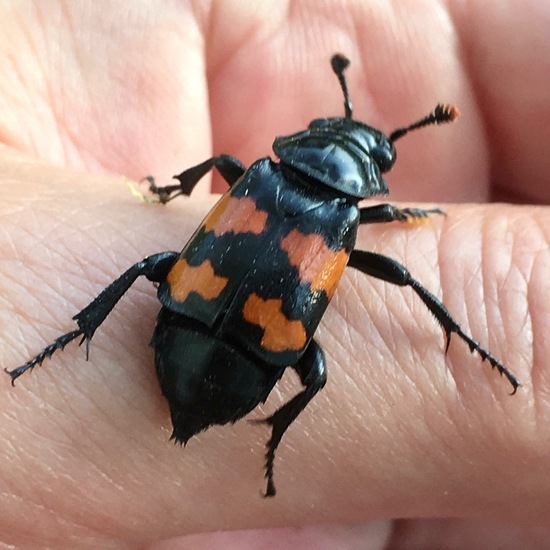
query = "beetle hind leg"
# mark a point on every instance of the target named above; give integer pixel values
(312, 371)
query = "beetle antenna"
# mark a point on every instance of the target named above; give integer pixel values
(442, 114)
(339, 64)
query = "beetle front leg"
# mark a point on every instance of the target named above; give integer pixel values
(393, 272)
(155, 268)
(312, 371)
(230, 168)
(385, 213)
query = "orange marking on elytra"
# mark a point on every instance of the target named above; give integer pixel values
(317, 264)
(217, 211)
(239, 215)
(280, 333)
(184, 279)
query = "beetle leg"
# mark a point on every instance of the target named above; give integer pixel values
(384, 213)
(312, 371)
(393, 272)
(155, 268)
(229, 167)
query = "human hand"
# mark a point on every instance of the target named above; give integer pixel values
(400, 430)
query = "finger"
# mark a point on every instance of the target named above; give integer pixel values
(395, 77)
(456, 534)
(510, 74)
(149, 113)
(110, 110)
(372, 536)
(399, 431)
(106, 89)
(452, 534)
(403, 61)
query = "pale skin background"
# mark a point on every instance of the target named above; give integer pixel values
(92, 91)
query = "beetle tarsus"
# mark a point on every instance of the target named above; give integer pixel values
(411, 214)
(164, 194)
(46, 353)
(387, 213)
(493, 361)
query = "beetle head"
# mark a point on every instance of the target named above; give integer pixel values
(345, 154)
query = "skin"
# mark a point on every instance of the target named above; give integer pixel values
(89, 92)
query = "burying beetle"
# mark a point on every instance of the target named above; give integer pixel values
(243, 299)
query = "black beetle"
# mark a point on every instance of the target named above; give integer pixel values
(243, 299)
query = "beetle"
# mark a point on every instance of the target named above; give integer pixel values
(242, 301)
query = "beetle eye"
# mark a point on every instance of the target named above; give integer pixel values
(384, 156)
(319, 123)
